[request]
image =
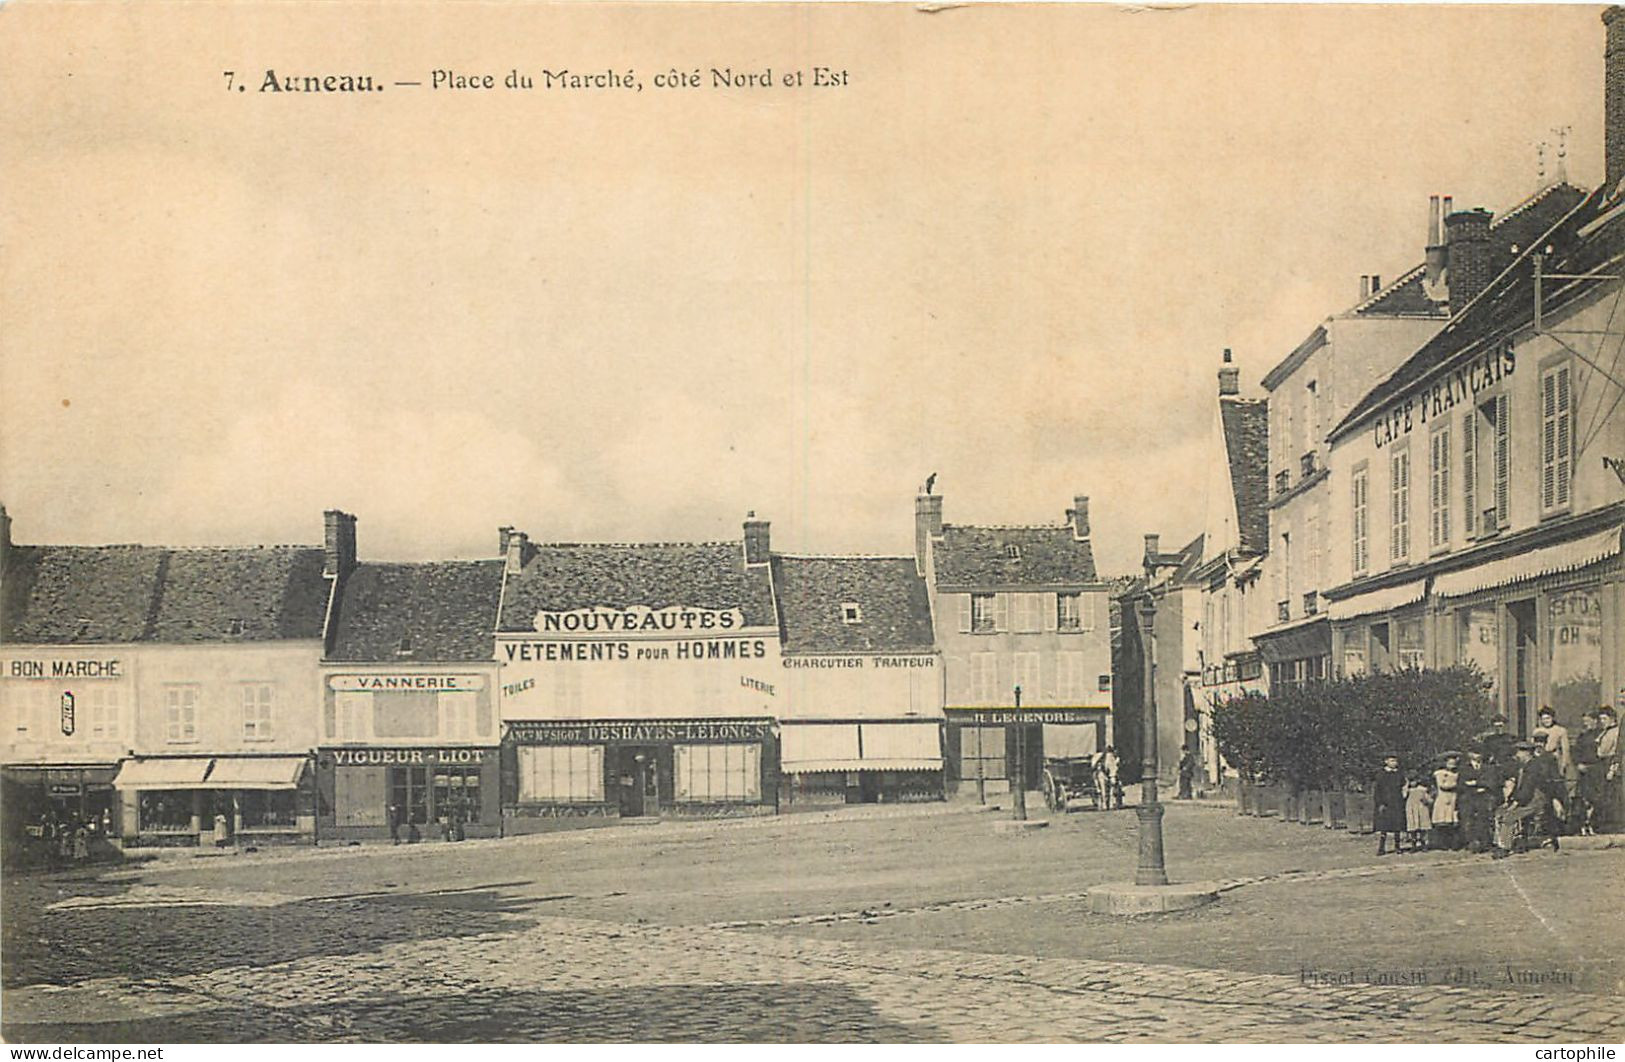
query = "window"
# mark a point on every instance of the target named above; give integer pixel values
(1399, 491)
(350, 718)
(1068, 676)
(712, 774)
(1067, 615)
(1105, 684)
(256, 712)
(1012, 552)
(1493, 449)
(1478, 639)
(1574, 651)
(561, 774)
(1087, 603)
(984, 678)
(981, 752)
(1556, 438)
(1361, 519)
(236, 627)
(28, 702)
(103, 712)
(1026, 676)
(180, 714)
(1312, 578)
(984, 613)
(269, 808)
(850, 612)
(457, 793)
(457, 714)
(1412, 652)
(405, 646)
(1286, 574)
(1439, 487)
(164, 811)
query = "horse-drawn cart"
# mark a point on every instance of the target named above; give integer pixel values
(1069, 783)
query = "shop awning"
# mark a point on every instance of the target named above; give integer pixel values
(256, 772)
(163, 774)
(818, 747)
(809, 747)
(1069, 740)
(901, 746)
(1296, 643)
(1376, 601)
(1551, 560)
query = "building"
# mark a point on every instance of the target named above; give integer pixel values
(638, 679)
(1016, 608)
(167, 696)
(410, 741)
(1178, 597)
(1234, 543)
(1314, 387)
(1475, 499)
(860, 692)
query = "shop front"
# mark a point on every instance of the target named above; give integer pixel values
(186, 801)
(637, 768)
(987, 747)
(884, 761)
(408, 793)
(50, 808)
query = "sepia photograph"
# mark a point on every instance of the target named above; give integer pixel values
(811, 523)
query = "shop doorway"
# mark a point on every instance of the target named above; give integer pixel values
(1522, 686)
(408, 801)
(639, 781)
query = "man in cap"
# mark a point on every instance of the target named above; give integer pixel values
(1531, 798)
(1497, 743)
(1480, 792)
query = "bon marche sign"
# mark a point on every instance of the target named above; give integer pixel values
(598, 733)
(50, 668)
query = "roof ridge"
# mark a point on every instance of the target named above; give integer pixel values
(1009, 527)
(844, 556)
(632, 545)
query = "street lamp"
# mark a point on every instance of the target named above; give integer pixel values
(1151, 870)
(1018, 779)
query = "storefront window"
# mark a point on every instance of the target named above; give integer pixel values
(981, 752)
(561, 773)
(409, 794)
(457, 792)
(165, 809)
(1411, 650)
(1574, 653)
(268, 808)
(716, 773)
(1478, 640)
(1354, 656)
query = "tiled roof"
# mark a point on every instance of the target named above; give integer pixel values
(1247, 444)
(980, 556)
(64, 595)
(894, 610)
(445, 610)
(1508, 302)
(1517, 228)
(1190, 558)
(562, 577)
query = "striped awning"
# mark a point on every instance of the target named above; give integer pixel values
(180, 773)
(1550, 560)
(256, 772)
(811, 747)
(1375, 601)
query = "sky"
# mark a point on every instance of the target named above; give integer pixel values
(1008, 251)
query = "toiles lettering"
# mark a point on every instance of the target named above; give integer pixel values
(638, 619)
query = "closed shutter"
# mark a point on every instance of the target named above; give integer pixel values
(1001, 612)
(964, 613)
(1556, 438)
(1050, 603)
(1503, 457)
(1469, 471)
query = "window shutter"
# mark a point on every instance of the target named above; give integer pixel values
(1469, 471)
(1086, 611)
(1052, 617)
(1503, 457)
(1548, 440)
(1565, 439)
(964, 613)
(1001, 612)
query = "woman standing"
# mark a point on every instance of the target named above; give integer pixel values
(1446, 818)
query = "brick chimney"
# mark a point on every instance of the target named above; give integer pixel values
(757, 548)
(927, 525)
(1468, 254)
(1613, 99)
(1152, 552)
(1229, 377)
(339, 542)
(1078, 517)
(503, 534)
(517, 550)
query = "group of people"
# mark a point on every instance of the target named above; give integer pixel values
(67, 839)
(1506, 795)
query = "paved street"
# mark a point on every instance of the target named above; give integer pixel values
(895, 925)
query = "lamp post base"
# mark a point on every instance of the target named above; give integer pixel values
(1121, 898)
(1151, 870)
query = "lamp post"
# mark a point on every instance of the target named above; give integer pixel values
(1151, 870)
(1018, 779)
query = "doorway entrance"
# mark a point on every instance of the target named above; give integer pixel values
(1521, 690)
(638, 778)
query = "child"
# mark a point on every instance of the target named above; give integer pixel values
(1418, 816)
(1446, 819)
(1388, 805)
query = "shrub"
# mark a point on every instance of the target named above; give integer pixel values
(1326, 735)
